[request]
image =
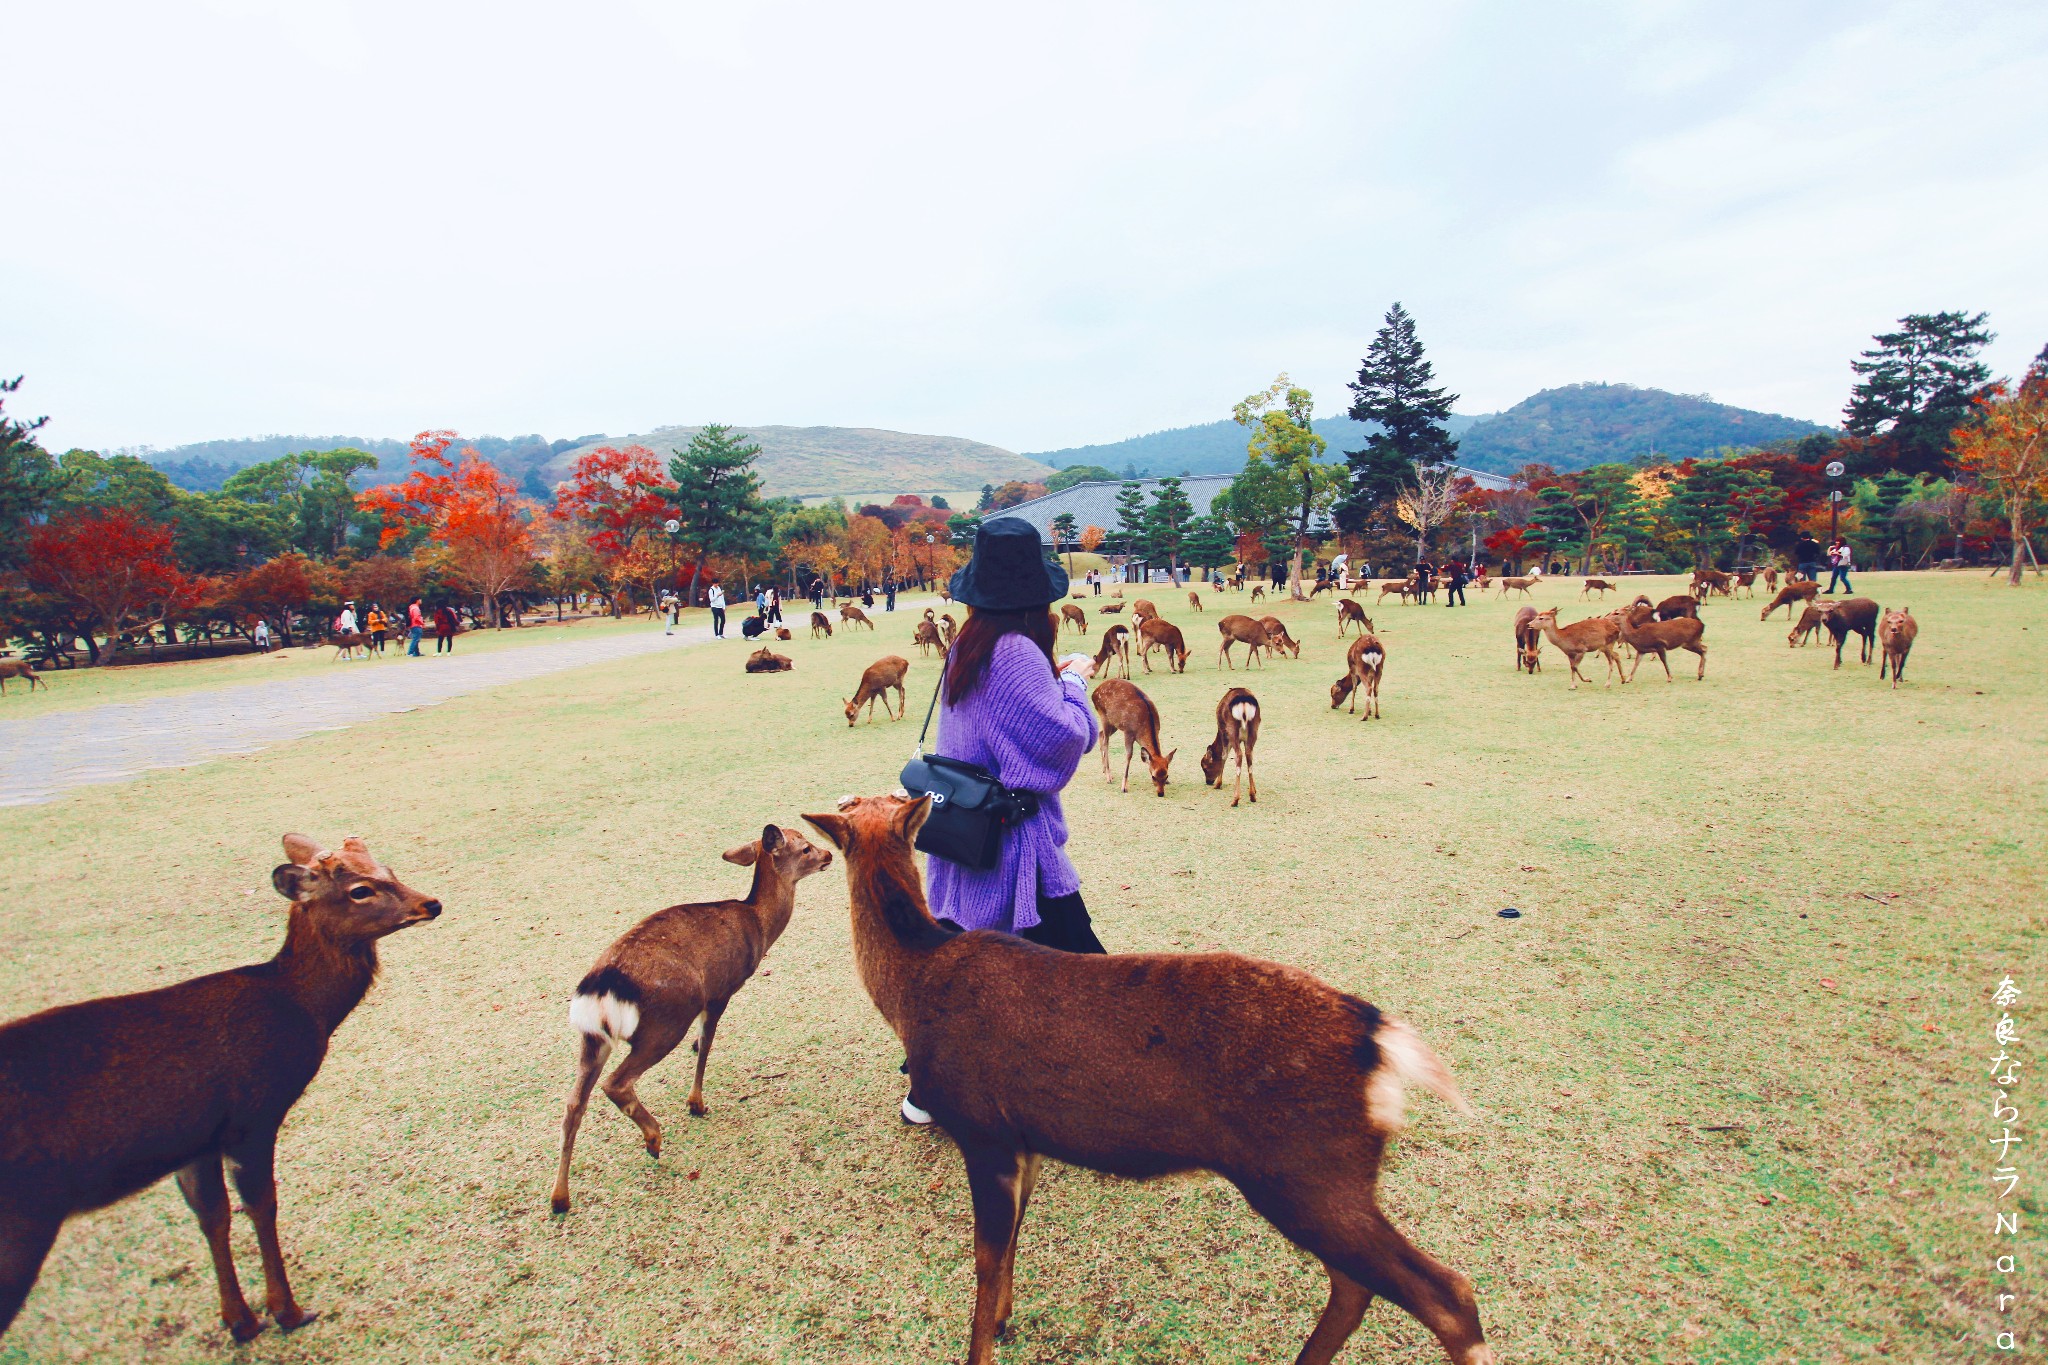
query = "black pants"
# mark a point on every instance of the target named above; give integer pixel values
(444, 642)
(718, 622)
(1063, 924)
(1456, 590)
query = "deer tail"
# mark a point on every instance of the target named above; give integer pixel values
(607, 1006)
(1405, 1060)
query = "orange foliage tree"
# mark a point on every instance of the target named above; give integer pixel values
(2006, 447)
(467, 507)
(115, 569)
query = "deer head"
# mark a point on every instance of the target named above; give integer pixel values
(1341, 689)
(348, 895)
(791, 855)
(1157, 766)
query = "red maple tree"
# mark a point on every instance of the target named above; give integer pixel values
(619, 493)
(468, 507)
(115, 569)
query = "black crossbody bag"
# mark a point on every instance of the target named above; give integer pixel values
(971, 808)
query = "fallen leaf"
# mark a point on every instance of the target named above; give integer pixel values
(1827, 983)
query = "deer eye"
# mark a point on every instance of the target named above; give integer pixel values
(362, 891)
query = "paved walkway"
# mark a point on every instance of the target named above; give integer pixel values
(41, 757)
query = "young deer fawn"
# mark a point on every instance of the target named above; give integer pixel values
(1116, 645)
(1127, 711)
(1364, 662)
(820, 622)
(1277, 638)
(1144, 1065)
(1896, 633)
(679, 963)
(1155, 633)
(875, 682)
(101, 1099)
(21, 669)
(1237, 734)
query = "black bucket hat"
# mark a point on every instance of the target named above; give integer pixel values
(1009, 571)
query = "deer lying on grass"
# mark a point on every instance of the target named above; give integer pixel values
(854, 616)
(1154, 1063)
(1244, 630)
(1645, 636)
(1127, 711)
(1237, 734)
(19, 668)
(1522, 584)
(764, 660)
(664, 972)
(1110, 610)
(1795, 590)
(1896, 632)
(102, 1099)
(820, 621)
(1813, 621)
(1599, 585)
(1364, 662)
(1116, 645)
(1160, 634)
(1349, 613)
(1195, 601)
(875, 681)
(927, 638)
(1854, 616)
(1529, 640)
(1071, 615)
(1278, 639)
(1580, 638)
(781, 632)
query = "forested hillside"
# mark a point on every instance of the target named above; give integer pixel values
(1587, 424)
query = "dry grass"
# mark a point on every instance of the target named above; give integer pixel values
(1732, 1107)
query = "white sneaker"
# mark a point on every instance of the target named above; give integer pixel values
(914, 1115)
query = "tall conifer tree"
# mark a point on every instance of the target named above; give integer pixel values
(1396, 390)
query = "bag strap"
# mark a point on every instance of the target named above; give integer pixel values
(918, 752)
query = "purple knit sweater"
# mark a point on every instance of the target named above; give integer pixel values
(1032, 731)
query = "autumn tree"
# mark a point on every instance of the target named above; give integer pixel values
(469, 509)
(622, 494)
(312, 488)
(1063, 536)
(279, 588)
(2005, 447)
(115, 568)
(1285, 451)
(1428, 505)
(1092, 538)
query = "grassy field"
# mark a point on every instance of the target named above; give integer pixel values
(1729, 1065)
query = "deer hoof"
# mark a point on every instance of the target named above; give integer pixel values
(243, 1329)
(293, 1321)
(559, 1204)
(697, 1108)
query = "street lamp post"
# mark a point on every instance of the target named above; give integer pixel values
(672, 526)
(1835, 471)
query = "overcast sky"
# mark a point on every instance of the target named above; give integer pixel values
(1037, 225)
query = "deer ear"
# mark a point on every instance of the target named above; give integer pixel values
(354, 845)
(300, 849)
(291, 879)
(744, 855)
(910, 817)
(771, 838)
(834, 827)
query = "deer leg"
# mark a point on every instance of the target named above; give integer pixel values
(1664, 658)
(994, 1180)
(1130, 747)
(1108, 733)
(589, 1062)
(1341, 1316)
(712, 1013)
(256, 1182)
(1027, 1178)
(1250, 775)
(651, 1043)
(24, 1241)
(206, 1193)
(1701, 650)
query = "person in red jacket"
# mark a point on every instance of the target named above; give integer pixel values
(444, 629)
(415, 626)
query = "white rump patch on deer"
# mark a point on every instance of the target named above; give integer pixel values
(1405, 1060)
(604, 1016)
(1373, 657)
(1243, 712)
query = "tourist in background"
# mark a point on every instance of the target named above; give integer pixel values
(445, 626)
(415, 626)
(1841, 559)
(716, 597)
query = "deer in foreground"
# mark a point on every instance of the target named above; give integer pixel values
(1155, 1063)
(1364, 663)
(1529, 640)
(851, 615)
(688, 960)
(1116, 645)
(19, 668)
(1813, 621)
(1162, 634)
(1580, 638)
(102, 1099)
(875, 681)
(1896, 632)
(1071, 615)
(1854, 616)
(1599, 585)
(1349, 613)
(1278, 639)
(1797, 590)
(765, 660)
(1237, 734)
(1645, 636)
(1246, 631)
(1127, 711)
(1521, 584)
(1195, 601)
(820, 621)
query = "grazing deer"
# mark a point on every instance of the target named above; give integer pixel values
(1195, 601)
(1854, 616)
(851, 615)
(1161, 634)
(19, 668)
(764, 660)
(1071, 615)
(1813, 622)
(1795, 590)
(1145, 1064)
(1364, 662)
(1522, 584)
(1143, 611)
(1349, 613)
(667, 970)
(1673, 608)
(1896, 632)
(1599, 585)
(1278, 639)
(948, 628)
(1645, 636)
(1580, 638)
(820, 621)
(1246, 631)
(1770, 573)
(875, 681)
(1324, 585)
(1237, 734)
(1706, 581)
(104, 1098)
(927, 638)
(1258, 592)
(1116, 645)
(1529, 640)
(1127, 711)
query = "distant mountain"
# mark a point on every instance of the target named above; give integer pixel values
(1587, 424)
(1212, 448)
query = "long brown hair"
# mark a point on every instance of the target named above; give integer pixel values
(968, 662)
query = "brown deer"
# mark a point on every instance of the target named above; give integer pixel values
(1364, 663)
(945, 593)
(1854, 616)
(1324, 585)
(927, 638)
(1109, 610)
(1195, 601)
(1143, 611)
(1795, 590)
(1237, 734)
(1278, 639)
(1896, 632)
(1673, 608)
(1145, 1064)
(820, 621)
(1071, 615)
(1745, 582)
(1127, 711)
(1645, 636)
(875, 681)
(1244, 630)
(764, 660)
(1116, 594)
(1770, 573)
(667, 970)
(1813, 622)
(1349, 613)
(1529, 640)
(1521, 584)
(1580, 638)
(948, 628)
(853, 616)
(1161, 634)
(1116, 645)
(1258, 592)
(102, 1099)
(19, 668)
(782, 633)
(1599, 585)
(346, 643)
(1705, 581)
(1404, 589)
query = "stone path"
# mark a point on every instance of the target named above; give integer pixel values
(41, 757)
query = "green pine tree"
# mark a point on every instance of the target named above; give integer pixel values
(1208, 543)
(1556, 532)
(718, 498)
(1394, 390)
(1914, 388)
(1130, 518)
(1063, 532)
(1166, 522)
(1701, 507)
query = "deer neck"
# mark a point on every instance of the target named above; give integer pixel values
(327, 978)
(888, 955)
(773, 898)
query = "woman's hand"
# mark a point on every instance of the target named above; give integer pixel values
(1081, 666)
